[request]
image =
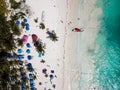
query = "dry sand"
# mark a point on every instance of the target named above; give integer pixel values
(61, 16)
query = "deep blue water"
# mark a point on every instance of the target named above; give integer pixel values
(107, 58)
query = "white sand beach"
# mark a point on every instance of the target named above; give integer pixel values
(66, 56)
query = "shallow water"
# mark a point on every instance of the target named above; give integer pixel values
(107, 58)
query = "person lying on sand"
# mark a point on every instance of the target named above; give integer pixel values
(77, 30)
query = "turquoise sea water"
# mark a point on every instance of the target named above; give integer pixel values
(107, 58)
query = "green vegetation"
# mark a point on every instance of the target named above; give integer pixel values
(40, 47)
(36, 20)
(11, 67)
(3, 7)
(42, 26)
(52, 36)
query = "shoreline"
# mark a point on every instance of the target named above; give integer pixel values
(77, 77)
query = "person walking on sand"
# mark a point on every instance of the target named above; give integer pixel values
(77, 30)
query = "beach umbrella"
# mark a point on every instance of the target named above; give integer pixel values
(25, 38)
(52, 71)
(33, 88)
(21, 63)
(28, 51)
(53, 85)
(34, 37)
(29, 64)
(44, 70)
(51, 77)
(25, 20)
(23, 85)
(28, 45)
(29, 57)
(20, 57)
(40, 55)
(27, 28)
(30, 76)
(18, 22)
(40, 83)
(27, 25)
(9, 55)
(31, 81)
(19, 51)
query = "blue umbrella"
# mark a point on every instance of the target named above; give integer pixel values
(40, 55)
(9, 55)
(32, 85)
(51, 77)
(27, 25)
(20, 57)
(18, 22)
(19, 51)
(28, 45)
(21, 63)
(23, 85)
(30, 76)
(28, 51)
(32, 88)
(29, 57)
(27, 28)
(31, 81)
(29, 64)
(25, 20)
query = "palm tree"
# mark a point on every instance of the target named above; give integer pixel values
(42, 26)
(10, 67)
(40, 48)
(14, 4)
(52, 36)
(19, 42)
(16, 16)
(3, 7)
